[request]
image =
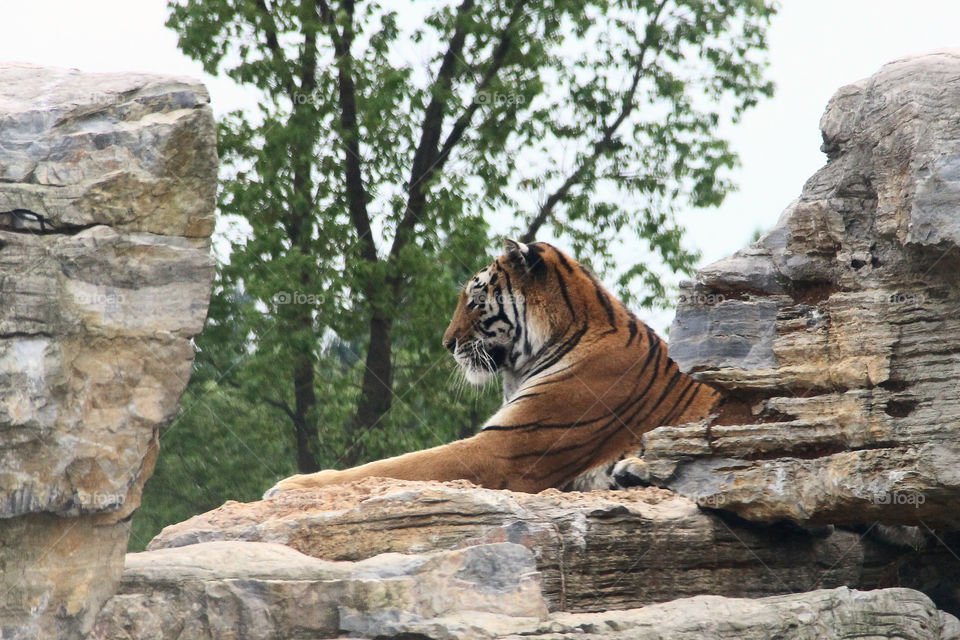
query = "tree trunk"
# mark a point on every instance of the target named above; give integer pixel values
(305, 400)
(376, 392)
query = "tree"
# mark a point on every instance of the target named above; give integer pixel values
(366, 177)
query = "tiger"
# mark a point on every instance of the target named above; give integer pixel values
(583, 379)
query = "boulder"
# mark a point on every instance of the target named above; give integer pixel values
(266, 590)
(107, 189)
(257, 590)
(596, 551)
(838, 332)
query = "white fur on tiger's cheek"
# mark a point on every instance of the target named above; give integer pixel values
(476, 377)
(474, 374)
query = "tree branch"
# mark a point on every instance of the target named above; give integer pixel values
(600, 146)
(496, 62)
(301, 147)
(270, 35)
(425, 156)
(350, 132)
(283, 406)
(308, 70)
(279, 404)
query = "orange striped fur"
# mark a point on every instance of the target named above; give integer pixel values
(584, 379)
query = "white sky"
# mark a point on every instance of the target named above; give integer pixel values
(816, 46)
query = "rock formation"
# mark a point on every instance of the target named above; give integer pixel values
(837, 336)
(596, 551)
(107, 186)
(839, 330)
(262, 591)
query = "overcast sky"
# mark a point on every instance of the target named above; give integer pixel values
(816, 46)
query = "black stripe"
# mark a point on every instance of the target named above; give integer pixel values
(521, 323)
(563, 260)
(544, 425)
(666, 389)
(526, 395)
(653, 348)
(602, 297)
(651, 335)
(544, 453)
(492, 319)
(563, 292)
(553, 379)
(605, 301)
(575, 467)
(688, 403)
(562, 350)
(632, 327)
(513, 299)
(667, 416)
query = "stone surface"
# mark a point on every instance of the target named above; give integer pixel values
(839, 330)
(107, 186)
(819, 615)
(263, 591)
(596, 551)
(254, 590)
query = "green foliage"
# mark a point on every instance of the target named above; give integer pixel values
(387, 134)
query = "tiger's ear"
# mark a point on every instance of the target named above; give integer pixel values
(517, 252)
(523, 257)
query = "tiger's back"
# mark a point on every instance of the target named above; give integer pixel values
(584, 378)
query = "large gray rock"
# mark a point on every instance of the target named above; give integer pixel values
(596, 551)
(839, 330)
(107, 186)
(254, 591)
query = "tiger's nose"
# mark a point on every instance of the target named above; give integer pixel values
(451, 345)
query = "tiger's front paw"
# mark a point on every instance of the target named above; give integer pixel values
(304, 481)
(631, 472)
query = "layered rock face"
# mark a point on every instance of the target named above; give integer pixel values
(450, 561)
(840, 328)
(596, 551)
(107, 189)
(262, 591)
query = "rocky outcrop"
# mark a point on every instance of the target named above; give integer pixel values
(596, 551)
(839, 330)
(254, 591)
(107, 186)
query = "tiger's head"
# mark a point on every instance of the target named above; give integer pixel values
(491, 331)
(510, 312)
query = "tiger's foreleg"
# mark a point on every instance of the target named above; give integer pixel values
(470, 459)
